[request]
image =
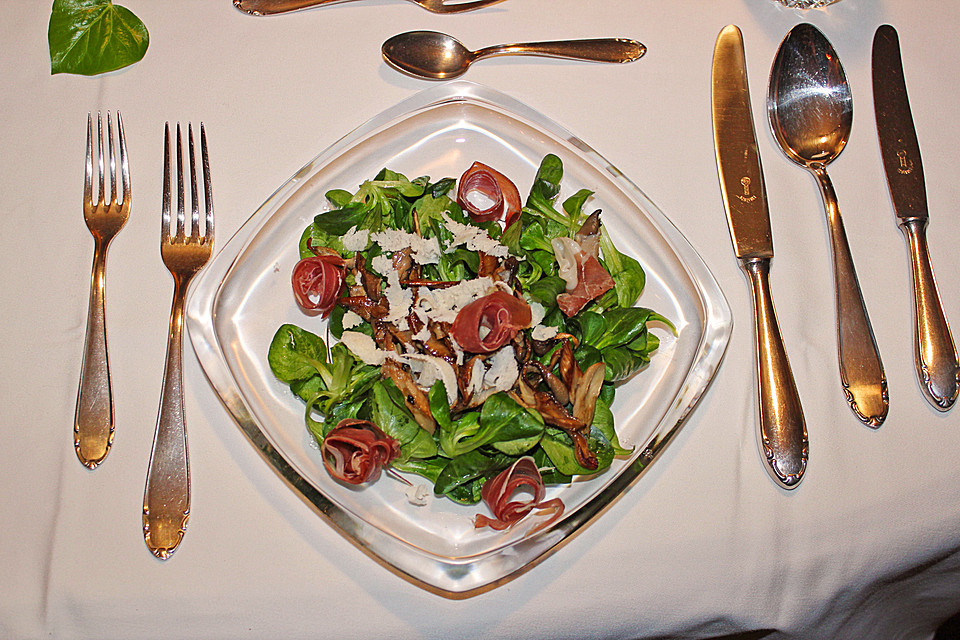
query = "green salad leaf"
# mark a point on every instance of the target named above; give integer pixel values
(90, 37)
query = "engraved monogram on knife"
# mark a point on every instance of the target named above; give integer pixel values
(906, 164)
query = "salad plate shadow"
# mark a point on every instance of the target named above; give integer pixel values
(244, 295)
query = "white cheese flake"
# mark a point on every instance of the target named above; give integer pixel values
(537, 313)
(502, 371)
(356, 239)
(418, 494)
(428, 369)
(442, 305)
(351, 320)
(423, 250)
(543, 332)
(363, 346)
(474, 238)
(399, 298)
(381, 264)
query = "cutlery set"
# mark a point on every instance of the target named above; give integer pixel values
(166, 500)
(810, 111)
(809, 108)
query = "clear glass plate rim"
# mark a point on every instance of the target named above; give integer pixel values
(713, 340)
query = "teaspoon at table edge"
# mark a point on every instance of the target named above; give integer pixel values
(438, 56)
(810, 109)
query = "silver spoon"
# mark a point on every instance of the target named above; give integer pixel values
(811, 113)
(437, 56)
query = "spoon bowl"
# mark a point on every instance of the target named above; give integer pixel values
(438, 56)
(810, 108)
(810, 104)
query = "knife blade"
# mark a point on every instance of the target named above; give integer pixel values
(935, 355)
(782, 432)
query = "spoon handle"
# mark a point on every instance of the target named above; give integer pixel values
(593, 50)
(938, 368)
(861, 371)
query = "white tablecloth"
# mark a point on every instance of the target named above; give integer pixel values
(703, 545)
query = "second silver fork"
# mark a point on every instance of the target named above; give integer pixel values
(166, 497)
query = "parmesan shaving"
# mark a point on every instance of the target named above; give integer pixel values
(423, 250)
(543, 332)
(351, 320)
(356, 239)
(474, 238)
(442, 305)
(363, 346)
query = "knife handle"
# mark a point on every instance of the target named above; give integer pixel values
(783, 431)
(861, 371)
(938, 369)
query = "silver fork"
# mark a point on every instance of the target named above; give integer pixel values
(166, 497)
(93, 422)
(269, 7)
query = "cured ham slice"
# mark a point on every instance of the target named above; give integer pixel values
(498, 493)
(481, 181)
(585, 277)
(355, 450)
(488, 323)
(317, 282)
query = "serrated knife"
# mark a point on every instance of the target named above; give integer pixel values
(782, 430)
(935, 354)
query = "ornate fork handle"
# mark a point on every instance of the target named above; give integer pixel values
(94, 424)
(166, 497)
(166, 504)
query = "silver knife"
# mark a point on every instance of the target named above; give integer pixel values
(782, 430)
(938, 368)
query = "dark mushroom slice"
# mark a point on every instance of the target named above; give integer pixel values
(369, 310)
(371, 282)
(413, 397)
(587, 391)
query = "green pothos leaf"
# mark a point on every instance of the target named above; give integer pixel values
(89, 37)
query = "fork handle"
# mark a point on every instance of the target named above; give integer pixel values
(166, 497)
(93, 422)
(269, 7)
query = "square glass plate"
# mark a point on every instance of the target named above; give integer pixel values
(244, 296)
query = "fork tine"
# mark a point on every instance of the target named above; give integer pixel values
(180, 212)
(124, 167)
(207, 186)
(113, 160)
(100, 150)
(194, 197)
(165, 211)
(88, 164)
